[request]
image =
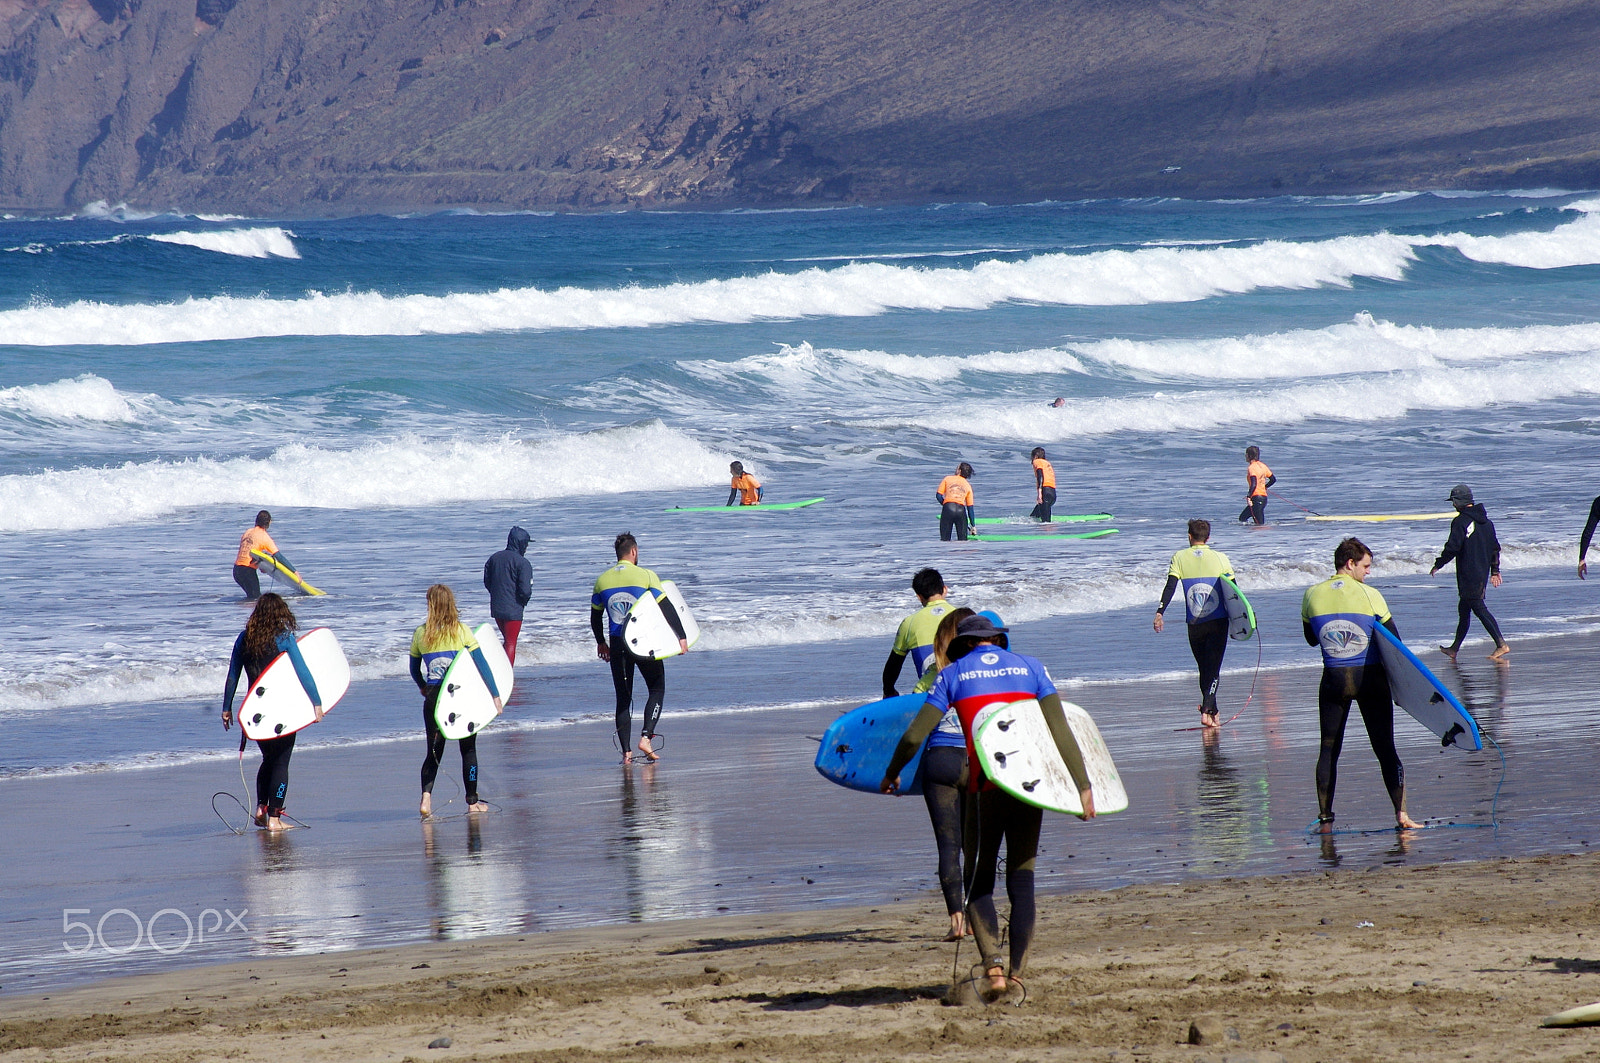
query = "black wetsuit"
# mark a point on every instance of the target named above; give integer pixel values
(1475, 549)
(1041, 511)
(944, 770)
(249, 580)
(1208, 641)
(1368, 686)
(272, 777)
(1588, 529)
(653, 671)
(953, 518)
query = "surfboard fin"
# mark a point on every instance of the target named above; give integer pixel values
(1437, 697)
(1449, 738)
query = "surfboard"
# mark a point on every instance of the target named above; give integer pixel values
(1241, 617)
(1418, 691)
(646, 631)
(277, 704)
(1018, 753)
(1375, 518)
(857, 747)
(278, 570)
(465, 705)
(1587, 1015)
(759, 507)
(1096, 534)
(1074, 518)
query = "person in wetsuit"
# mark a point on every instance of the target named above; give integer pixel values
(955, 497)
(745, 489)
(1587, 537)
(1257, 479)
(615, 591)
(1044, 484)
(268, 632)
(508, 577)
(914, 638)
(984, 672)
(245, 567)
(1475, 549)
(434, 645)
(1198, 569)
(1338, 616)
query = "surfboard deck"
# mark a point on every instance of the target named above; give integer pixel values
(1076, 518)
(1096, 534)
(1418, 691)
(1376, 518)
(465, 706)
(1018, 753)
(857, 747)
(1587, 1015)
(271, 566)
(277, 704)
(646, 631)
(759, 507)
(1241, 617)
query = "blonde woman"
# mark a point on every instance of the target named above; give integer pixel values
(434, 646)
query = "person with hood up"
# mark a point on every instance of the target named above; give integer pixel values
(1476, 551)
(508, 577)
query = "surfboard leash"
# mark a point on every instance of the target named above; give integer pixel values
(1494, 809)
(1248, 698)
(1293, 503)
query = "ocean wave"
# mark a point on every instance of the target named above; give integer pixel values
(1575, 243)
(408, 471)
(83, 398)
(863, 289)
(271, 242)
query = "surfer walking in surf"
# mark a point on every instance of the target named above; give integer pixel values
(956, 514)
(615, 591)
(244, 566)
(1198, 569)
(1475, 549)
(1338, 615)
(1257, 479)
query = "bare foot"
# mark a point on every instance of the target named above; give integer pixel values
(1405, 822)
(1209, 719)
(647, 749)
(275, 824)
(958, 927)
(478, 806)
(261, 815)
(997, 980)
(1449, 651)
(1500, 651)
(627, 760)
(426, 808)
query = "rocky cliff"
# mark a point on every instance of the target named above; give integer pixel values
(297, 106)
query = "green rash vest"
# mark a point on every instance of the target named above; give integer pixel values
(1199, 568)
(915, 640)
(617, 589)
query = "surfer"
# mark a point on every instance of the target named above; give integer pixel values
(434, 646)
(745, 488)
(914, 638)
(244, 566)
(615, 591)
(1475, 549)
(1058, 403)
(955, 496)
(1199, 568)
(1587, 537)
(1338, 615)
(268, 632)
(973, 681)
(1044, 486)
(508, 577)
(1257, 479)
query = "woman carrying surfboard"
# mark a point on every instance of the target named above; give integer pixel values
(434, 646)
(268, 633)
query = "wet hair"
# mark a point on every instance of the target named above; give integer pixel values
(263, 519)
(737, 468)
(964, 470)
(1038, 452)
(625, 542)
(270, 618)
(443, 617)
(1252, 453)
(927, 582)
(944, 634)
(1352, 549)
(1200, 530)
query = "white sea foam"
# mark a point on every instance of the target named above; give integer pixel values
(270, 242)
(407, 471)
(1575, 243)
(1102, 278)
(83, 398)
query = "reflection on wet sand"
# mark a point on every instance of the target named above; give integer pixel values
(472, 893)
(296, 906)
(666, 853)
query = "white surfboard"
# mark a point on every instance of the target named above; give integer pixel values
(1418, 691)
(1017, 751)
(465, 706)
(277, 704)
(1587, 1015)
(1241, 617)
(646, 631)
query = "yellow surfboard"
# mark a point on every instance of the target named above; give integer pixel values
(1378, 518)
(273, 567)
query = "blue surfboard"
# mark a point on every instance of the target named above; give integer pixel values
(857, 747)
(1419, 692)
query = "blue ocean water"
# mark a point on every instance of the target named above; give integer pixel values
(399, 390)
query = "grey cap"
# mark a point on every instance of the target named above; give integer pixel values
(979, 627)
(1461, 493)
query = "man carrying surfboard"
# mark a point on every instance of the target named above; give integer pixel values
(1257, 479)
(1338, 616)
(746, 489)
(244, 566)
(1475, 549)
(615, 591)
(955, 497)
(1200, 569)
(983, 673)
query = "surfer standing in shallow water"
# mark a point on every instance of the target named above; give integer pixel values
(1257, 479)
(955, 499)
(1338, 615)
(245, 572)
(1198, 569)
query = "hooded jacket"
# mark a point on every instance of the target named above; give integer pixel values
(508, 577)
(1474, 548)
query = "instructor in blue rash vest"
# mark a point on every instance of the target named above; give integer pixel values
(1199, 570)
(615, 591)
(981, 673)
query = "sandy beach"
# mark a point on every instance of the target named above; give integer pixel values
(1378, 963)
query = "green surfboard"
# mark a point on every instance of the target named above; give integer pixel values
(1096, 534)
(761, 507)
(1053, 520)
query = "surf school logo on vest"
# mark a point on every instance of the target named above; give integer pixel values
(1202, 599)
(990, 658)
(619, 606)
(1343, 639)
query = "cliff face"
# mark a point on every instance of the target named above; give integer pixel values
(340, 106)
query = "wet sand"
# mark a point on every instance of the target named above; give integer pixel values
(1460, 961)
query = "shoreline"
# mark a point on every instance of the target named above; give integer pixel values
(1458, 959)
